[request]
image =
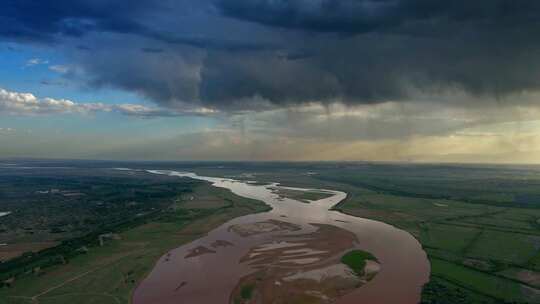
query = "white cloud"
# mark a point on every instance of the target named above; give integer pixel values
(62, 69)
(16, 103)
(28, 104)
(36, 61)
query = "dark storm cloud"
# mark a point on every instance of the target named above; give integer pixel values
(209, 43)
(46, 20)
(297, 55)
(361, 16)
(237, 53)
(30, 20)
(152, 50)
(167, 77)
(393, 49)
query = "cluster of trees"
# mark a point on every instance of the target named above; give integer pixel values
(436, 292)
(35, 262)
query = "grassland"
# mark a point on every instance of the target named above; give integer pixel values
(356, 260)
(302, 196)
(109, 273)
(480, 250)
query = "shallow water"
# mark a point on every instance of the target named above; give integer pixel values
(211, 275)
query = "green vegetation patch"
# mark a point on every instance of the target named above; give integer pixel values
(440, 291)
(356, 260)
(506, 247)
(480, 282)
(247, 291)
(303, 196)
(454, 239)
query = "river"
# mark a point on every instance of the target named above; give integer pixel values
(201, 272)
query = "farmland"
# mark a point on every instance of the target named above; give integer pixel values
(479, 225)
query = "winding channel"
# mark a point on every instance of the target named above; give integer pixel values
(179, 277)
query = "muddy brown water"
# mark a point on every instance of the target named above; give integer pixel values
(201, 272)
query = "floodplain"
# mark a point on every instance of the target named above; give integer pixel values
(478, 226)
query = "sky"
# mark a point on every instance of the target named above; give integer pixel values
(298, 80)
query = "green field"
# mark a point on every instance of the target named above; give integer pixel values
(356, 260)
(472, 243)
